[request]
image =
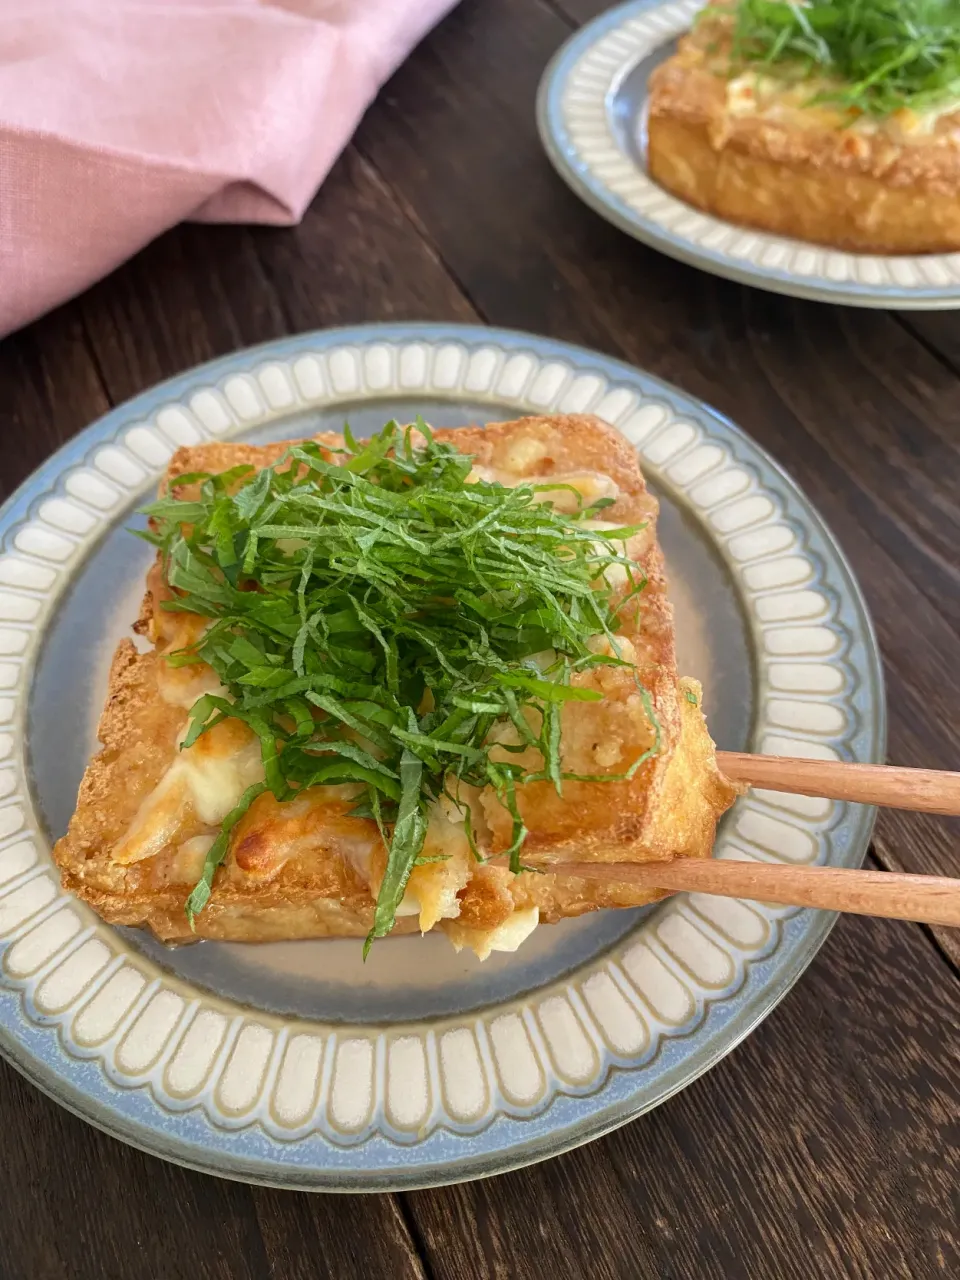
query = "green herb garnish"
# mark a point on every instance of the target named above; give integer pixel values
(884, 54)
(372, 622)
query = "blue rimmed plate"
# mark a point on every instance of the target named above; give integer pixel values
(591, 112)
(295, 1064)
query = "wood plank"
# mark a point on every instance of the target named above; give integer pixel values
(577, 12)
(938, 331)
(358, 257)
(312, 1237)
(49, 389)
(201, 291)
(857, 410)
(193, 294)
(828, 1144)
(88, 1206)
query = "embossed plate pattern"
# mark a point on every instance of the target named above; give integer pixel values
(471, 1075)
(590, 111)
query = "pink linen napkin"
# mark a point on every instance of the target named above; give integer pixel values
(120, 118)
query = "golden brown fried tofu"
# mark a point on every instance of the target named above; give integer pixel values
(782, 155)
(148, 812)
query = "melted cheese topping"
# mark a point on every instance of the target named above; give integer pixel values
(913, 126)
(505, 937)
(216, 783)
(182, 686)
(359, 853)
(615, 574)
(204, 782)
(756, 94)
(591, 485)
(433, 887)
(187, 865)
(157, 823)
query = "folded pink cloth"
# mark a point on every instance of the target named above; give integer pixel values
(120, 118)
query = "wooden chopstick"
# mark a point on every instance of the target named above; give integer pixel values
(925, 790)
(896, 896)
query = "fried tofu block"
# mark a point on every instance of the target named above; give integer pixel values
(779, 155)
(147, 812)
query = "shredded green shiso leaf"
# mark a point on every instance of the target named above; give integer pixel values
(373, 621)
(888, 54)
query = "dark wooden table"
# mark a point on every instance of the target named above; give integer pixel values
(827, 1144)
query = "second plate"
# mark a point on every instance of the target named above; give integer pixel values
(590, 111)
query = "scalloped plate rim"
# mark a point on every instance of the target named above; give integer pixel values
(788, 962)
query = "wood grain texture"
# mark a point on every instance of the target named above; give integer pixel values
(938, 332)
(577, 12)
(49, 389)
(57, 1178)
(860, 891)
(889, 854)
(842, 1163)
(917, 790)
(80, 1204)
(326, 1237)
(826, 1145)
(200, 292)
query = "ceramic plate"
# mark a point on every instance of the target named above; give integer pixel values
(296, 1064)
(591, 113)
